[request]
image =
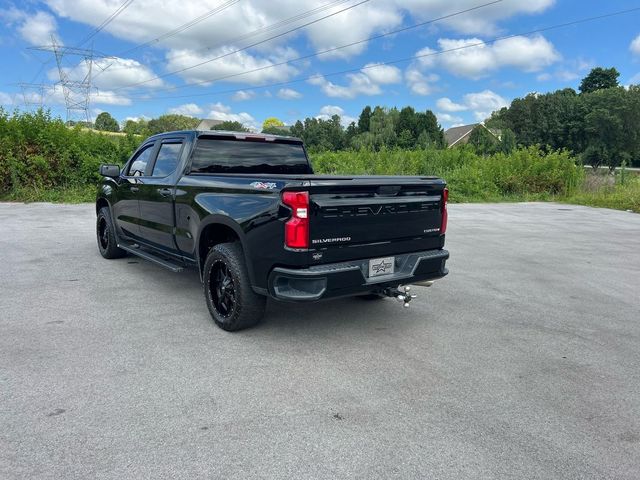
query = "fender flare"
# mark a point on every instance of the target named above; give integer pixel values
(217, 219)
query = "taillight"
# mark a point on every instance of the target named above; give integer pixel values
(443, 209)
(296, 230)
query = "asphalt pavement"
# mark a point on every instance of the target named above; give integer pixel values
(523, 363)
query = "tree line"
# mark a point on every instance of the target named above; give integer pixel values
(375, 128)
(600, 123)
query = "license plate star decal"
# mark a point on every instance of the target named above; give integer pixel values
(381, 267)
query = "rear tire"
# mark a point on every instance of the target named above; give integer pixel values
(231, 301)
(107, 243)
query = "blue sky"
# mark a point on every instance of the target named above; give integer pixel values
(152, 38)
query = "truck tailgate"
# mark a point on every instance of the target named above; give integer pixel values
(349, 213)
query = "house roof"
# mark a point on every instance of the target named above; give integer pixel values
(454, 134)
(207, 123)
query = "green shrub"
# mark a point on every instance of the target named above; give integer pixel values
(39, 152)
(525, 172)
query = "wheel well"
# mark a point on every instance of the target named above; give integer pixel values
(213, 235)
(101, 203)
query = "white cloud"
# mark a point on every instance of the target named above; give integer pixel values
(351, 26)
(243, 95)
(366, 82)
(418, 82)
(107, 97)
(382, 74)
(55, 96)
(136, 119)
(232, 66)
(426, 57)
(448, 118)
(445, 104)
(37, 29)
(329, 111)
(120, 72)
(188, 109)
(482, 104)
(218, 111)
(6, 99)
(571, 70)
(473, 59)
(288, 94)
(111, 73)
(143, 20)
(635, 46)
(482, 21)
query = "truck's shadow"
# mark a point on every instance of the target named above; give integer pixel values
(287, 318)
(329, 316)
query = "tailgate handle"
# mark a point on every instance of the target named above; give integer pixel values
(388, 190)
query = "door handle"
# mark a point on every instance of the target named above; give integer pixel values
(135, 189)
(164, 192)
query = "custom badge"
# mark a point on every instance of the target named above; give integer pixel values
(263, 185)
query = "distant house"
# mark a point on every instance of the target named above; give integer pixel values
(460, 135)
(208, 124)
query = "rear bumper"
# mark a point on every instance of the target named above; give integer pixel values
(351, 278)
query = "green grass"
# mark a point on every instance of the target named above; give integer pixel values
(53, 195)
(617, 196)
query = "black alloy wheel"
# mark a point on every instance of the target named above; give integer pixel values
(103, 233)
(222, 289)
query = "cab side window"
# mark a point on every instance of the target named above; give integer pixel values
(139, 164)
(168, 158)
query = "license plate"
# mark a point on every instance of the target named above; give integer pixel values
(381, 266)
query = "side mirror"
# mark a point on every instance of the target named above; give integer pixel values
(112, 171)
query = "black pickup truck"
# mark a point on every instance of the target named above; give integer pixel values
(247, 211)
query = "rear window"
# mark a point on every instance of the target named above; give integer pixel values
(238, 156)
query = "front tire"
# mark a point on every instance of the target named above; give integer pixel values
(107, 243)
(231, 301)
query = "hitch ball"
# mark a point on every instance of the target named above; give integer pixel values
(401, 295)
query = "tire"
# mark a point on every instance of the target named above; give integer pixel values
(372, 296)
(231, 301)
(107, 243)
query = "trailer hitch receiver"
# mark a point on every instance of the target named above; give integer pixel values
(400, 293)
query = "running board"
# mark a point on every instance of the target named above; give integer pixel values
(135, 250)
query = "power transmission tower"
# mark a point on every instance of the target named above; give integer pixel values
(75, 82)
(33, 94)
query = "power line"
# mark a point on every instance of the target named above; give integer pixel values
(253, 33)
(106, 22)
(333, 49)
(401, 60)
(243, 48)
(181, 28)
(169, 34)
